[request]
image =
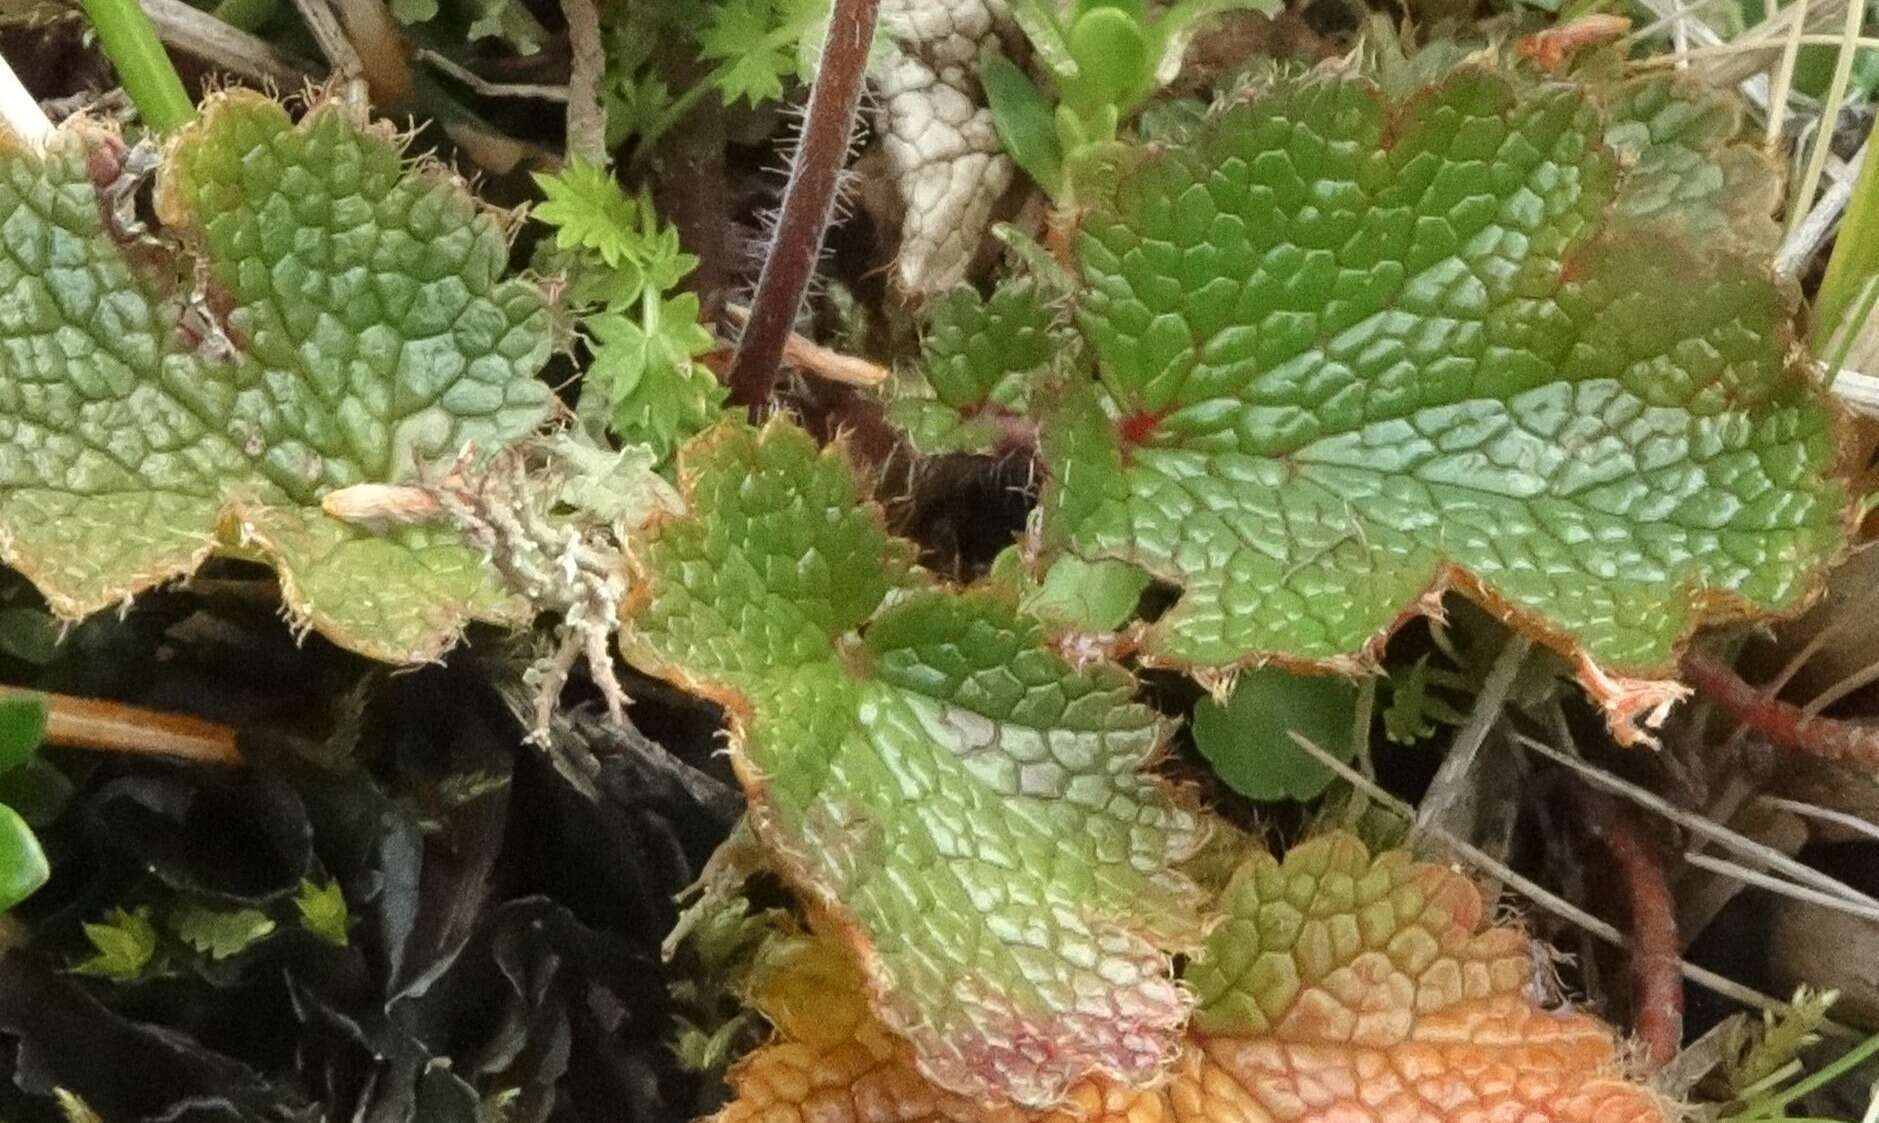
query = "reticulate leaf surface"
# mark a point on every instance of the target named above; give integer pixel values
(315, 314)
(984, 358)
(1342, 989)
(967, 808)
(1353, 350)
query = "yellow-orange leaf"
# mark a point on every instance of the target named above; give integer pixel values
(1341, 989)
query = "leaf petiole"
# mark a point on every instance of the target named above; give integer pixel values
(130, 41)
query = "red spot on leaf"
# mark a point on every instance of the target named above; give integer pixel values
(1136, 427)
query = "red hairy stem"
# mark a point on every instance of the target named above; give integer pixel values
(1782, 723)
(808, 202)
(1656, 968)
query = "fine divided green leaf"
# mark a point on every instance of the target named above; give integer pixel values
(1352, 350)
(967, 807)
(334, 317)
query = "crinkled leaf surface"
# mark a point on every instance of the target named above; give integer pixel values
(1676, 134)
(1351, 350)
(1342, 989)
(967, 807)
(985, 359)
(331, 317)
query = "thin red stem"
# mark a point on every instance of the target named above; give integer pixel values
(808, 203)
(1782, 723)
(1656, 968)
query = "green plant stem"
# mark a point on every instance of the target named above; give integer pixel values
(130, 41)
(1770, 1107)
(648, 140)
(1855, 259)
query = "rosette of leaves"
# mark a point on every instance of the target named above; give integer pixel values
(1514, 337)
(315, 314)
(1341, 989)
(964, 807)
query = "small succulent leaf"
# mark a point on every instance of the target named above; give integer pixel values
(1024, 120)
(350, 324)
(1248, 739)
(23, 867)
(985, 359)
(1044, 31)
(1115, 60)
(1341, 990)
(968, 808)
(1352, 351)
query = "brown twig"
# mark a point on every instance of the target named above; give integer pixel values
(587, 118)
(1782, 723)
(814, 359)
(113, 727)
(808, 202)
(1656, 980)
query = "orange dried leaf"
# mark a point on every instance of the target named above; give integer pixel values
(1341, 989)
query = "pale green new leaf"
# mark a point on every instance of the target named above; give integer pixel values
(350, 323)
(220, 935)
(967, 808)
(757, 43)
(1353, 350)
(125, 945)
(323, 911)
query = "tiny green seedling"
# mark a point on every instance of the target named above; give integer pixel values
(1107, 58)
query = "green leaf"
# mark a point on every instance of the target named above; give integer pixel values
(410, 12)
(757, 42)
(125, 943)
(1414, 711)
(1039, 21)
(75, 1109)
(659, 396)
(1675, 135)
(1353, 351)
(509, 21)
(589, 210)
(1116, 64)
(220, 935)
(984, 360)
(1086, 596)
(1025, 121)
(23, 867)
(323, 911)
(1248, 740)
(350, 324)
(22, 728)
(967, 807)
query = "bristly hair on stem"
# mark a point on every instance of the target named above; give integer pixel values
(808, 201)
